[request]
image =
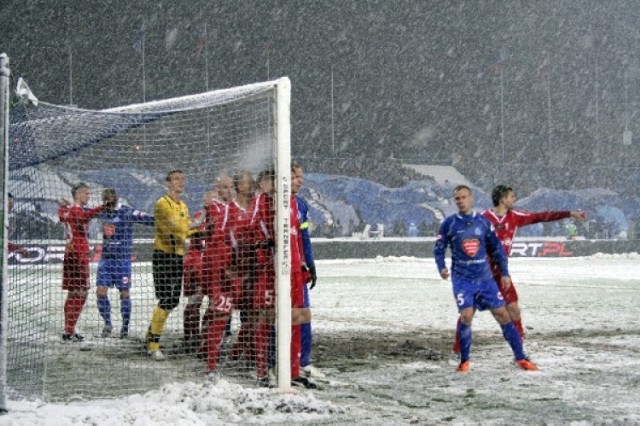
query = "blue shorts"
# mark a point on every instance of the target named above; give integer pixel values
(114, 273)
(479, 294)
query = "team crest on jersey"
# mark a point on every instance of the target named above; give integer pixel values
(471, 247)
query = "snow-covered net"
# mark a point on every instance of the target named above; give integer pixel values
(130, 149)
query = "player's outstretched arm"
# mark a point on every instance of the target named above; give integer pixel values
(579, 214)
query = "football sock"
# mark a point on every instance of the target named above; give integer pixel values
(158, 320)
(125, 310)
(215, 332)
(456, 340)
(307, 343)
(518, 325)
(104, 307)
(513, 338)
(464, 337)
(191, 320)
(72, 309)
(272, 347)
(261, 336)
(295, 351)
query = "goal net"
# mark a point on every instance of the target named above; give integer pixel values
(234, 133)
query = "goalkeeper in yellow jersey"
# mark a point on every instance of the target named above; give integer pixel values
(172, 230)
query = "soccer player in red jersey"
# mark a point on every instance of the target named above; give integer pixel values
(506, 220)
(243, 262)
(193, 278)
(75, 269)
(216, 269)
(264, 291)
(299, 313)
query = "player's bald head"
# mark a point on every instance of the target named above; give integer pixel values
(224, 187)
(223, 180)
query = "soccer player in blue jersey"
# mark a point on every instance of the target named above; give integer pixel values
(297, 179)
(114, 268)
(471, 238)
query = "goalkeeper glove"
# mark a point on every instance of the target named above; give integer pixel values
(314, 277)
(310, 275)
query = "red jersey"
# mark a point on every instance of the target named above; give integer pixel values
(507, 225)
(263, 225)
(217, 253)
(240, 234)
(215, 224)
(76, 226)
(196, 243)
(192, 275)
(297, 256)
(262, 221)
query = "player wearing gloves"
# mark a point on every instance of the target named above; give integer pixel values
(471, 237)
(172, 225)
(309, 273)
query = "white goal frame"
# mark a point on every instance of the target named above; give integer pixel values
(4, 160)
(281, 128)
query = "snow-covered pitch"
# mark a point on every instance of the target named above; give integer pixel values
(383, 331)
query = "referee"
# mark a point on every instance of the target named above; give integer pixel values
(172, 229)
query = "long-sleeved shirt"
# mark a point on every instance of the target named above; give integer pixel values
(507, 225)
(303, 215)
(471, 237)
(117, 231)
(172, 225)
(76, 226)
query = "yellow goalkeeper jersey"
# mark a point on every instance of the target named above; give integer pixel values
(172, 225)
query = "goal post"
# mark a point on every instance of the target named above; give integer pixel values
(131, 148)
(283, 263)
(4, 132)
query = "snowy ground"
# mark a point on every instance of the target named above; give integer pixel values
(383, 331)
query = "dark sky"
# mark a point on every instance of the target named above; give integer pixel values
(412, 79)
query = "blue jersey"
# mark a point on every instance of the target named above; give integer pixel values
(471, 238)
(117, 231)
(303, 216)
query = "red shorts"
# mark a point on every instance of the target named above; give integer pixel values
(75, 272)
(226, 297)
(193, 275)
(215, 261)
(510, 294)
(297, 292)
(247, 280)
(223, 285)
(264, 294)
(264, 288)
